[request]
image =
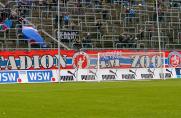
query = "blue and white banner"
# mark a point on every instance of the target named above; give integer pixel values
(40, 76)
(9, 76)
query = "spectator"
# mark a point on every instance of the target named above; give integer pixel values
(22, 10)
(56, 21)
(126, 11)
(19, 10)
(98, 3)
(77, 44)
(87, 41)
(151, 31)
(131, 14)
(66, 19)
(161, 14)
(51, 5)
(54, 2)
(88, 3)
(133, 2)
(99, 26)
(23, 2)
(29, 2)
(126, 4)
(79, 5)
(104, 14)
(19, 25)
(8, 22)
(3, 14)
(19, 29)
(131, 41)
(41, 2)
(72, 24)
(155, 16)
(122, 39)
(3, 26)
(141, 33)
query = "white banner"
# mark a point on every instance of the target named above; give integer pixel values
(73, 75)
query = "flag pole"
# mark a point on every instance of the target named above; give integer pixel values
(159, 40)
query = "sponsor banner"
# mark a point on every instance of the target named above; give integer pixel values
(169, 73)
(70, 59)
(88, 75)
(68, 35)
(136, 74)
(68, 75)
(178, 72)
(108, 74)
(40, 76)
(28, 76)
(9, 77)
(73, 75)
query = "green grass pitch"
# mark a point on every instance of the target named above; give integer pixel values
(125, 99)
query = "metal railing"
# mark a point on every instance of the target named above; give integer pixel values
(172, 46)
(126, 45)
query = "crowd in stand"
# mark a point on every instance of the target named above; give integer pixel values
(9, 19)
(6, 17)
(125, 38)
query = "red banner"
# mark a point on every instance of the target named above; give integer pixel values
(69, 59)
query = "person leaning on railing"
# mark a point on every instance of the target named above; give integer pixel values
(86, 41)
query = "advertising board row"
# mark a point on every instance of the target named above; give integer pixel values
(67, 75)
(91, 65)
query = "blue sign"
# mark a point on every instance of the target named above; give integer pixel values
(9, 76)
(39, 76)
(178, 72)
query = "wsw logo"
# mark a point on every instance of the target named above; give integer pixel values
(40, 76)
(174, 59)
(9, 76)
(80, 60)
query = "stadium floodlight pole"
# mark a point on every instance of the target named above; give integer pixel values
(158, 26)
(58, 12)
(159, 38)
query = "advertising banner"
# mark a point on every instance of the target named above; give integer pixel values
(135, 74)
(9, 77)
(40, 76)
(68, 75)
(39, 66)
(70, 59)
(68, 35)
(73, 75)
